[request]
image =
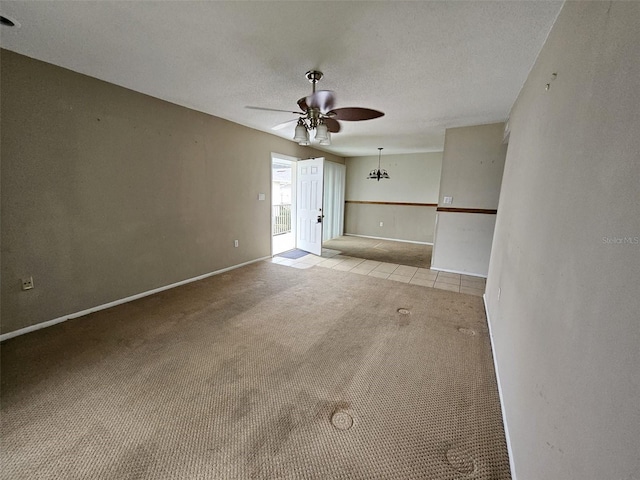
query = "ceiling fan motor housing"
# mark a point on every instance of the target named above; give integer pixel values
(314, 76)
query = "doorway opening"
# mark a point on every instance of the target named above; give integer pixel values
(307, 203)
(283, 203)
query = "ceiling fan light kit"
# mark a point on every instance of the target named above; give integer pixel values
(377, 174)
(317, 113)
(302, 134)
(322, 133)
(326, 141)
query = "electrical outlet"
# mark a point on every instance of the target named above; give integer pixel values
(27, 283)
(381, 224)
(448, 200)
(235, 243)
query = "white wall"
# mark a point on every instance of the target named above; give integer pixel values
(472, 166)
(562, 294)
(463, 242)
(415, 178)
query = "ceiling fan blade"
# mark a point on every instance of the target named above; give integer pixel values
(273, 110)
(282, 125)
(323, 100)
(332, 125)
(302, 103)
(355, 114)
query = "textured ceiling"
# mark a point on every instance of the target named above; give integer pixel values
(427, 65)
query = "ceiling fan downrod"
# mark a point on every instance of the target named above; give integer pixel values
(314, 76)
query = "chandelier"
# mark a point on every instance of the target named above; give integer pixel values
(377, 174)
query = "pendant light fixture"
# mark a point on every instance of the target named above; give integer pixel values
(378, 174)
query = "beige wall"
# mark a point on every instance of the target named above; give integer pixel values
(414, 178)
(472, 166)
(562, 292)
(399, 222)
(107, 193)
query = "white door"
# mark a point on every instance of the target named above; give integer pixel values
(309, 212)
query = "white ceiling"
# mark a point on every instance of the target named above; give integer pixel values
(428, 65)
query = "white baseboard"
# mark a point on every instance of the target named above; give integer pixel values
(458, 271)
(391, 239)
(504, 416)
(49, 323)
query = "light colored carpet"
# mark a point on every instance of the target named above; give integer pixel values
(261, 372)
(402, 253)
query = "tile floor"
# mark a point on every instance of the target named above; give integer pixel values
(390, 271)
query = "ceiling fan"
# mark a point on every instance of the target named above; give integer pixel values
(317, 113)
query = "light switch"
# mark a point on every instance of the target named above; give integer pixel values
(261, 196)
(448, 200)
